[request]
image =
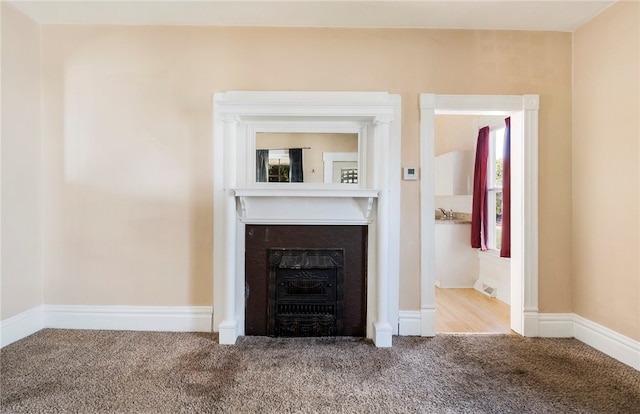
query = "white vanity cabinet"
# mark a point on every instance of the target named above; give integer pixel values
(456, 260)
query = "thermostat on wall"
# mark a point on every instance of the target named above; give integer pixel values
(410, 173)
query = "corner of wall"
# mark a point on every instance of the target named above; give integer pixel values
(21, 249)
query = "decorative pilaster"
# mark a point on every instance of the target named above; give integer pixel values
(382, 327)
(229, 326)
(530, 216)
(427, 221)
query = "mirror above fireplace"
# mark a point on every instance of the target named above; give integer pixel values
(286, 157)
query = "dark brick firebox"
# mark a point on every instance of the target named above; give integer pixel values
(305, 245)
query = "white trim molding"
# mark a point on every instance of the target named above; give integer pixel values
(198, 319)
(618, 346)
(20, 326)
(329, 158)
(612, 343)
(409, 323)
(555, 325)
(129, 318)
(523, 110)
(126, 318)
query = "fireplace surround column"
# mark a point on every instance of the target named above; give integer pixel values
(229, 325)
(382, 327)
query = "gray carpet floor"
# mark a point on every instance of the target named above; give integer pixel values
(67, 371)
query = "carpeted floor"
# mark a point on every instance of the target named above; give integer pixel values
(65, 371)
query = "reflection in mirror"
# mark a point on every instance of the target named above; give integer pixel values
(307, 157)
(278, 166)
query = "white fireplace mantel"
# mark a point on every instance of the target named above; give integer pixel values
(306, 205)
(304, 192)
(374, 201)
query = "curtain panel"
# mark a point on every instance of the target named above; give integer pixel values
(505, 246)
(262, 165)
(480, 207)
(295, 160)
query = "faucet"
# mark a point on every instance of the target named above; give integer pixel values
(446, 215)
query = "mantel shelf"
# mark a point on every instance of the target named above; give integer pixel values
(244, 194)
(307, 192)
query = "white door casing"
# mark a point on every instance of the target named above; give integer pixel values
(523, 110)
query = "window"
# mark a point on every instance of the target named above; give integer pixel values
(494, 187)
(278, 166)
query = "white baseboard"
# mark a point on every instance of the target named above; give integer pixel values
(555, 325)
(617, 346)
(130, 318)
(199, 319)
(409, 323)
(570, 325)
(547, 325)
(428, 321)
(20, 326)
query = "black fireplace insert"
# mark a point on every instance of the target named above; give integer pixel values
(306, 292)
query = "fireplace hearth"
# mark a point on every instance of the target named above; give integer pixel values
(305, 292)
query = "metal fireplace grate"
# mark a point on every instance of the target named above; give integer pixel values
(305, 292)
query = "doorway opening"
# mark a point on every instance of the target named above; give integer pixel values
(523, 110)
(472, 286)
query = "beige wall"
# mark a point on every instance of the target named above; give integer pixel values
(21, 273)
(127, 132)
(606, 172)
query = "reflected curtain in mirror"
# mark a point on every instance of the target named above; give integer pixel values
(295, 160)
(262, 165)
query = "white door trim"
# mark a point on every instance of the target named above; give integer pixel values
(524, 250)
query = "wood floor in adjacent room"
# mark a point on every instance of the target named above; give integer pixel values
(469, 311)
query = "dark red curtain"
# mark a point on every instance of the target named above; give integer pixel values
(505, 246)
(480, 209)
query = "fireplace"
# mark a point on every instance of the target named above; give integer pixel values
(371, 207)
(306, 292)
(317, 288)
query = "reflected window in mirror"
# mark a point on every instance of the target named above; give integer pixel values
(349, 176)
(279, 166)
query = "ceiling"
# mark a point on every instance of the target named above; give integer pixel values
(546, 15)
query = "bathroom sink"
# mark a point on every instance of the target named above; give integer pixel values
(453, 217)
(453, 220)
